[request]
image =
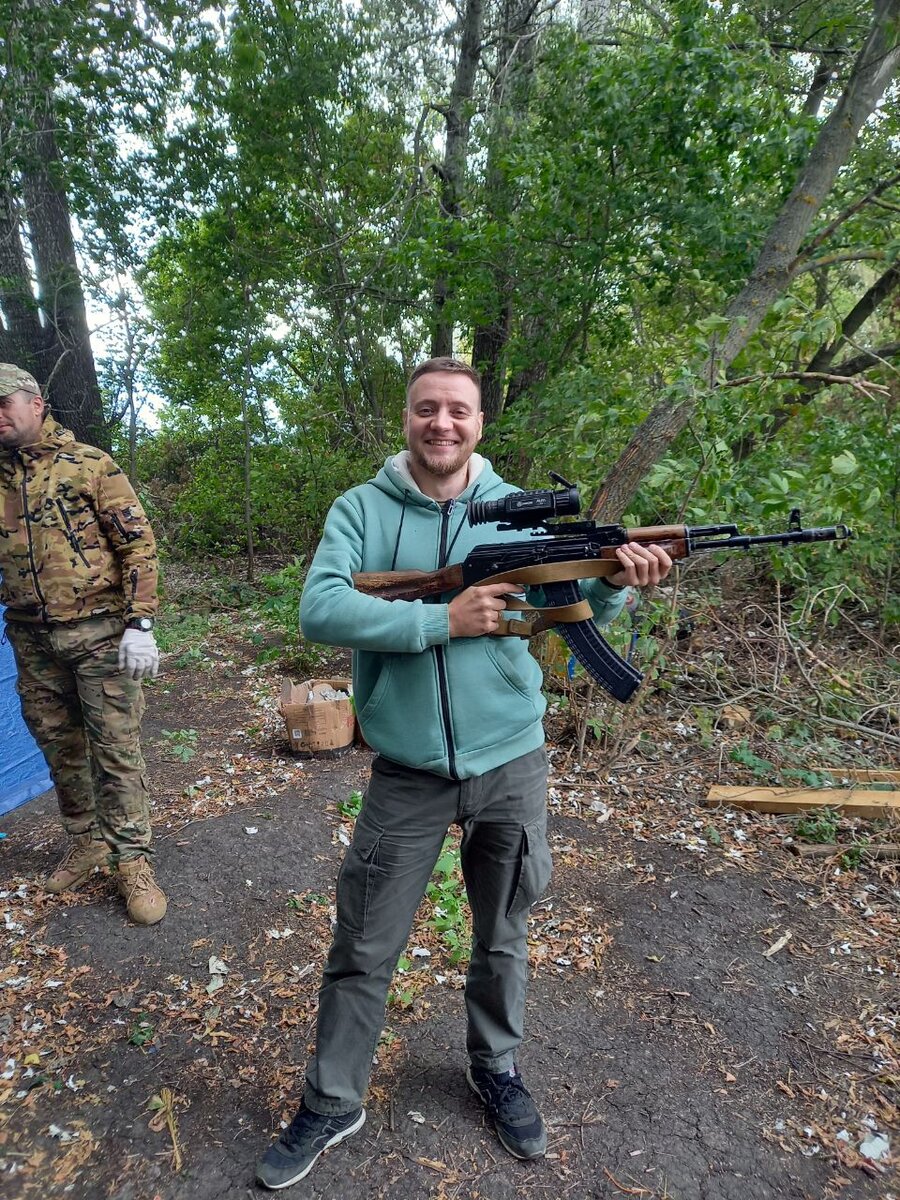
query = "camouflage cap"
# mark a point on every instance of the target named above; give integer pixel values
(14, 379)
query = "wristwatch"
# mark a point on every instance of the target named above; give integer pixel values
(143, 623)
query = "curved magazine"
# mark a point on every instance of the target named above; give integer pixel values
(591, 649)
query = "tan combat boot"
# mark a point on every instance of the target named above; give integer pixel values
(84, 854)
(144, 898)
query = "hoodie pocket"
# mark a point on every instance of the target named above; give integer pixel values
(401, 718)
(514, 664)
(495, 693)
(377, 694)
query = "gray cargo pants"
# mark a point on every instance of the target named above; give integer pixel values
(397, 840)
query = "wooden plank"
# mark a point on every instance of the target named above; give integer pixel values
(826, 850)
(855, 802)
(860, 774)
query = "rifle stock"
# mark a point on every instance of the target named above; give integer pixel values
(408, 585)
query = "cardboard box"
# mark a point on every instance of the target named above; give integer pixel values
(317, 726)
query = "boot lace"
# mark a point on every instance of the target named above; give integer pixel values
(76, 850)
(141, 881)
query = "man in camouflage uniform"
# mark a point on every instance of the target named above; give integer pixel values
(79, 576)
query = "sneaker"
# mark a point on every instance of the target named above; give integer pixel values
(510, 1106)
(84, 855)
(291, 1158)
(144, 898)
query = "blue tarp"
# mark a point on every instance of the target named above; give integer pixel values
(23, 771)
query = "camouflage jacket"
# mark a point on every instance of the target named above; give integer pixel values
(74, 539)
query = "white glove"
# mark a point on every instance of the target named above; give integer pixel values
(138, 654)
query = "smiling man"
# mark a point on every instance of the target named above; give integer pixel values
(454, 716)
(79, 577)
(443, 423)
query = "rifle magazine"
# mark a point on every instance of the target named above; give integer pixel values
(606, 668)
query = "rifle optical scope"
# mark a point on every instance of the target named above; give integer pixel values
(523, 510)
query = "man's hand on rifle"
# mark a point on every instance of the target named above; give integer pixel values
(478, 609)
(642, 566)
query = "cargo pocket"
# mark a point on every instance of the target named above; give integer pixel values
(357, 880)
(535, 866)
(122, 706)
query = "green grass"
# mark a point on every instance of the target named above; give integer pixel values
(180, 631)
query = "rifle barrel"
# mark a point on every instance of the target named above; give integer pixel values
(829, 533)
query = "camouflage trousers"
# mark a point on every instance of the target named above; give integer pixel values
(86, 717)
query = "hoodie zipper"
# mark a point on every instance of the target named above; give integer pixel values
(443, 690)
(27, 518)
(70, 532)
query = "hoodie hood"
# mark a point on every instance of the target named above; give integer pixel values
(396, 479)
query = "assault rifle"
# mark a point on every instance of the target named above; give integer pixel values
(557, 555)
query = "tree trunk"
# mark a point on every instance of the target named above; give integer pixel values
(132, 436)
(248, 446)
(453, 172)
(22, 337)
(873, 70)
(488, 345)
(65, 362)
(509, 103)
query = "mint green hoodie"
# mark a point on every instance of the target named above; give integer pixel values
(455, 707)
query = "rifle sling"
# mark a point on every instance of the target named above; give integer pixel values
(537, 620)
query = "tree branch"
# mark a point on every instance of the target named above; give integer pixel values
(829, 229)
(820, 377)
(832, 260)
(821, 361)
(868, 358)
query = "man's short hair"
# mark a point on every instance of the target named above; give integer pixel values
(453, 366)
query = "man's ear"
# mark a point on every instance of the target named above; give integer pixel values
(480, 424)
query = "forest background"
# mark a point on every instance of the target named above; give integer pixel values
(667, 234)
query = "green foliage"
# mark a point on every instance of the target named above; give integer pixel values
(350, 807)
(308, 900)
(449, 911)
(141, 1032)
(449, 917)
(821, 825)
(281, 606)
(181, 631)
(760, 767)
(180, 743)
(810, 779)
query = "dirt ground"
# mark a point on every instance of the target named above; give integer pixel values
(677, 1052)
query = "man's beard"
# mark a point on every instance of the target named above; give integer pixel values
(444, 466)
